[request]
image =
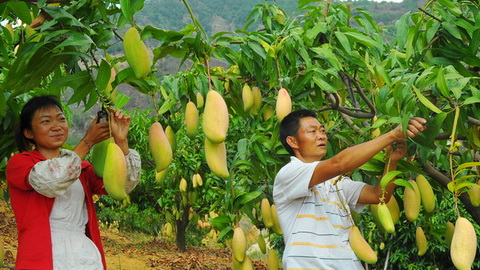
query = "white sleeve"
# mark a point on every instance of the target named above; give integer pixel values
(134, 168)
(52, 177)
(351, 191)
(292, 181)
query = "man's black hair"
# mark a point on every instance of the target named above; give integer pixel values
(290, 125)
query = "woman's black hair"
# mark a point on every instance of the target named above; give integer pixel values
(26, 116)
(290, 125)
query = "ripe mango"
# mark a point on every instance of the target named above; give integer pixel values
(239, 244)
(160, 176)
(421, 240)
(464, 244)
(261, 243)
(197, 180)
(216, 156)
(136, 53)
(171, 138)
(426, 191)
(361, 248)
(215, 117)
(159, 147)
(115, 172)
(474, 194)
(412, 201)
(267, 112)
(266, 213)
(257, 100)
(191, 120)
(376, 219)
(99, 154)
(284, 104)
(183, 185)
(385, 218)
(169, 229)
(272, 260)
(276, 223)
(245, 265)
(394, 209)
(247, 98)
(449, 229)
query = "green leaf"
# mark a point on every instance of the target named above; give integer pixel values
(313, 32)
(121, 100)
(72, 80)
(403, 183)
(21, 9)
(363, 39)
(81, 93)
(245, 198)
(76, 39)
(471, 100)
(427, 103)
(325, 52)
(103, 76)
(452, 29)
(465, 165)
(442, 83)
(343, 40)
(388, 177)
(126, 9)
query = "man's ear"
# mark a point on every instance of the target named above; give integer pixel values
(28, 133)
(292, 141)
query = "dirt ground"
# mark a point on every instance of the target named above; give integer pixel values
(131, 251)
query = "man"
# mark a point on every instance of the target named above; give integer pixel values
(313, 206)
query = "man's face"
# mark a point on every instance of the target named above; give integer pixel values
(310, 144)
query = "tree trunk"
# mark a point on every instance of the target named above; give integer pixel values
(464, 198)
(181, 229)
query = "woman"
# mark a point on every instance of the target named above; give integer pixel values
(51, 188)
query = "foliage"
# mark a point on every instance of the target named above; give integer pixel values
(332, 58)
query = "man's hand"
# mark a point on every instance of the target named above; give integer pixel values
(397, 151)
(415, 126)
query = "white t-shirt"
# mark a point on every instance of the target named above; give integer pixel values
(315, 225)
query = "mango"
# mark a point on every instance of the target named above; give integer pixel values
(261, 243)
(474, 194)
(115, 172)
(99, 155)
(464, 244)
(159, 147)
(169, 229)
(239, 244)
(191, 120)
(160, 176)
(276, 223)
(171, 138)
(426, 191)
(266, 213)
(183, 185)
(412, 201)
(247, 98)
(449, 229)
(245, 265)
(267, 112)
(394, 209)
(360, 247)
(376, 219)
(257, 100)
(216, 156)
(272, 260)
(197, 180)
(385, 218)
(421, 240)
(200, 101)
(110, 92)
(215, 117)
(283, 105)
(136, 53)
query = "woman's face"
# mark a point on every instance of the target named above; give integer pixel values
(49, 131)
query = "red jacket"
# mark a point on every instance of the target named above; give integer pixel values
(32, 211)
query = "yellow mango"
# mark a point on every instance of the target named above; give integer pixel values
(215, 117)
(159, 147)
(261, 243)
(385, 218)
(239, 244)
(257, 100)
(449, 229)
(412, 201)
(99, 155)
(160, 176)
(200, 101)
(426, 191)
(276, 223)
(268, 112)
(191, 120)
(198, 179)
(247, 98)
(115, 172)
(266, 213)
(421, 240)
(474, 195)
(171, 138)
(169, 229)
(394, 209)
(360, 247)
(183, 185)
(283, 105)
(216, 156)
(272, 260)
(464, 244)
(136, 53)
(376, 219)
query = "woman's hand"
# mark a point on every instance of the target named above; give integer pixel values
(119, 125)
(96, 132)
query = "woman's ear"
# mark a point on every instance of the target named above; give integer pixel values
(28, 134)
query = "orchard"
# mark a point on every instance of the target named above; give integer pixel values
(209, 136)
